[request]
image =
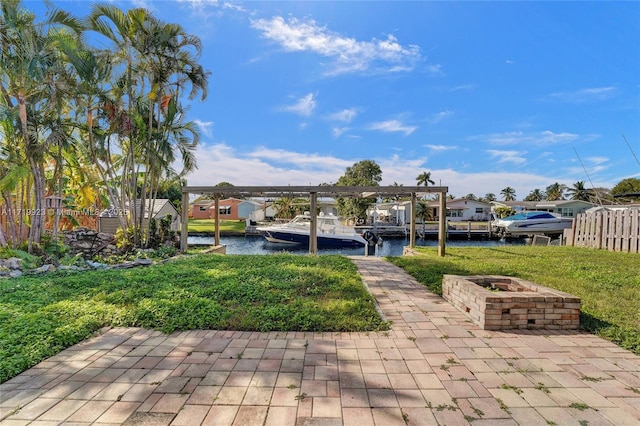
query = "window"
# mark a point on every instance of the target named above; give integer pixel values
(567, 212)
(203, 208)
(225, 211)
(479, 210)
(455, 212)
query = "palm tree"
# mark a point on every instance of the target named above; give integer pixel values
(535, 195)
(579, 192)
(33, 83)
(555, 191)
(423, 212)
(157, 65)
(489, 197)
(424, 178)
(508, 194)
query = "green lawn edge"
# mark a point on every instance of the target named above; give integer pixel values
(608, 283)
(42, 315)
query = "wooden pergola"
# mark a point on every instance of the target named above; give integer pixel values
(313, 192)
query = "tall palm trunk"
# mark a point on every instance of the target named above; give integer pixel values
(37, 169)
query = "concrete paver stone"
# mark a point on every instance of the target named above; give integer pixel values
(432, 367)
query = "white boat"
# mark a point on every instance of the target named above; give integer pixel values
(531, 223)
(331, 232)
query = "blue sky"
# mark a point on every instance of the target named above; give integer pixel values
(483, 95)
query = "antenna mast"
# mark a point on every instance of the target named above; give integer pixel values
(630, 149)
(588, 177)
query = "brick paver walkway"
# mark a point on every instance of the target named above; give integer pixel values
(433, 368)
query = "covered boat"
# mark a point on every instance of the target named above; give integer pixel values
(331, 232)
(532, 223)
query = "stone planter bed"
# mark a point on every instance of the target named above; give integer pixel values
(501, 303)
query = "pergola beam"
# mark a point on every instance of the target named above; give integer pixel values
(313, 192)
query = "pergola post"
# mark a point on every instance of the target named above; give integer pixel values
(442, 223)
(313, 231)
(314, 192)
(412, 228)
(216, 216)
(185, 221)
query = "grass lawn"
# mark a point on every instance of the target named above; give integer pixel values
(607, 283)
(207, 225)
(40, 316)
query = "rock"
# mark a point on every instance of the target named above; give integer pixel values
(15, 273)
(125, 265)
(44, 268)
(143, 262)
(96, 265)
(68, 268)
(13, 263)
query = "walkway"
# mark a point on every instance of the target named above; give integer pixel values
(432, 368)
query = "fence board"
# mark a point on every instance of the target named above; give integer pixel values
(617, 230)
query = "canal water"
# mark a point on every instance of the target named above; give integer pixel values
(253, 244)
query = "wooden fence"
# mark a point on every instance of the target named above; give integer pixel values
(613, 230)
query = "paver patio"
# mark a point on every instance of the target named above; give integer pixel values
(433, 368)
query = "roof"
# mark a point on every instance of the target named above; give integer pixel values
(159, 204)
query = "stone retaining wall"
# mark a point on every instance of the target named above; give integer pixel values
(90, 242)
(513, 303)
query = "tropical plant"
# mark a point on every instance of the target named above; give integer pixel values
(508, 194)
(535, 195)
(424, 212)
(579, 192)
(363, 173)
(504, 211)
(555, 191)
(288, 207)
(157, 63)
(627, 189)
(424, 179)
(489, 197)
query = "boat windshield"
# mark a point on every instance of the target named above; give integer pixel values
(530, 215)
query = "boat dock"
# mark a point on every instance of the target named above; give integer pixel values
(455, 230)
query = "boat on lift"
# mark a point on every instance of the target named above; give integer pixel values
(331, 232)
(531, 223)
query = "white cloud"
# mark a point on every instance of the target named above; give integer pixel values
(440, 148)
(283, 156)
(514, 157)
(537, 138)
(348, 54)
(435, 69)
(200, 6)
(597, 160)
(206, 127)
(585, 95)
(439, 116)
(346, 115)
(304, 106)
(392, 126)
(263, 166)
(462, 87)
(339, 131)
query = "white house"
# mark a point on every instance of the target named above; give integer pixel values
(109, 221)
(391, 213)
(463, 209)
